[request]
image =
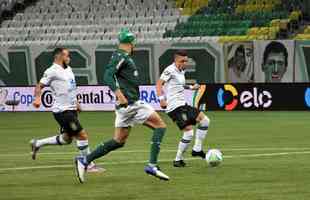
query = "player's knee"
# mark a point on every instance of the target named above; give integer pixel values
(188, 135)
(68, 140)
(159, 124)
(187, 128)
(119, 143)
(82, 135)
(64, 139)
(121, 139)
(162, 124)
(204, 123)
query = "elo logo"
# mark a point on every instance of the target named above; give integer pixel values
(307, 97)
(248, 99)
(221, 101)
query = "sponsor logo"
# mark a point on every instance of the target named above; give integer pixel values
(228, 98)
(307, 97)
(228, 105)
(100, 97)
(149, 96)
(92, 98)
(47, 99)
(24, 99)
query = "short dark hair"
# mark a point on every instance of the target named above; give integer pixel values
(58, 51)
(180, 53)
(275, 47)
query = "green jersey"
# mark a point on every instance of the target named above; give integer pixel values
(121, 73)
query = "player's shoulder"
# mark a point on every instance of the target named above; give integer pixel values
(117, 59)
(118, 55)
(170, 69)
(69, 68)
(51, 69)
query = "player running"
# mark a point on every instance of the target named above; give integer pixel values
(122, 77)
(61, 80)
(185, 116)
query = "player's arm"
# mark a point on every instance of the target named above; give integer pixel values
(37, 94)
(160, 93)
(196, 86)
(45, 80)
(78, 106)
(159, 88)
(164, 77)
(111, 80)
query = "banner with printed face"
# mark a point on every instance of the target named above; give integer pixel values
(302, 61)
(274, 61)
(239, 62)
(91, 98)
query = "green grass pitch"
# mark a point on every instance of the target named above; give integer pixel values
(266, 157)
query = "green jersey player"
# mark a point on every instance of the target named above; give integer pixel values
(122, 77)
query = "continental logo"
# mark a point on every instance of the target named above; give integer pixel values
(100, 97)
(254, 98)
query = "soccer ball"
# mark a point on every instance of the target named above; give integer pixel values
(214, 157)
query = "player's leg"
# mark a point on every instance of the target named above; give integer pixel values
(122, 123)
(146, 115)
(184, 117)
(118, 141)
(184, 143)
(158, 126)
(59, 139)
(83, 147)
(121, 133)
(201, 133)
(36, 144)
(82, 143)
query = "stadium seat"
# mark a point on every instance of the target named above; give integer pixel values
(97, 16)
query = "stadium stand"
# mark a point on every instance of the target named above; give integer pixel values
(52, 21)
(189, 7)
(8, 8)
(6, 5)
(242, 20)
(63, 20)
(305, 35)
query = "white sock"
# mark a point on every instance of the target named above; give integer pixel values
(183, 144)
(152, 165)
(201, 133)
(200, 136)
(54, 140)
(83, 147)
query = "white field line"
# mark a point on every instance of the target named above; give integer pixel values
(167, 150)
(163, 160)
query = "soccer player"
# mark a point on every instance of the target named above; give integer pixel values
(61, 80)
(122, 77)
(185, 116)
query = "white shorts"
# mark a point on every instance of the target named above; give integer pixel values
(136, 113)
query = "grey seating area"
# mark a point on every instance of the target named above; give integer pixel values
(51, 21)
